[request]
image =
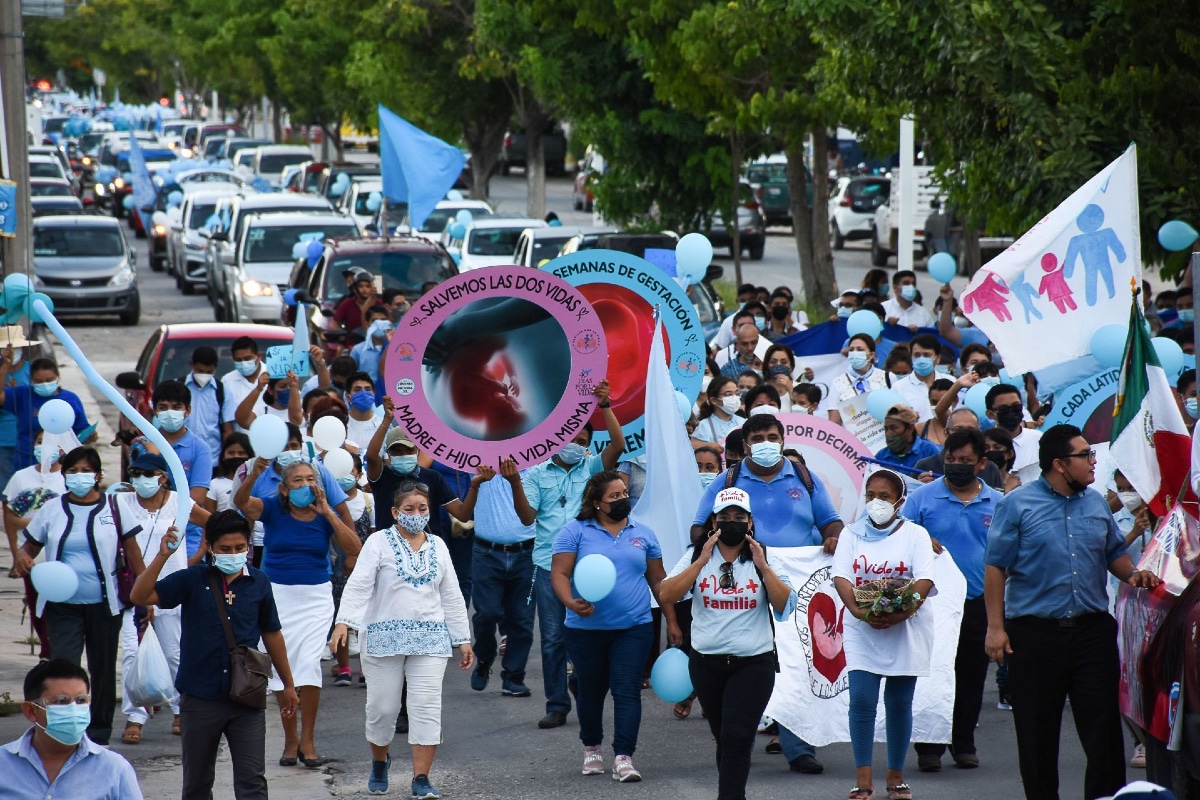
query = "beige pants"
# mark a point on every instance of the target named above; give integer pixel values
(385, 684)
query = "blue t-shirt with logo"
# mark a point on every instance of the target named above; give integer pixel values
(628, 603)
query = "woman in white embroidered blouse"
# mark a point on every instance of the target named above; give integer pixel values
(404, 601)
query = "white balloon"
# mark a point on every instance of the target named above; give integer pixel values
(329, 433)
(339, 463)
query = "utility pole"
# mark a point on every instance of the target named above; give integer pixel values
(14, 146)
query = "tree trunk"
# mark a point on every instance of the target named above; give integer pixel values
(802, 220)
(276, 122)
(536, 121)
(484, 138)
(735, 158)
(822, 254)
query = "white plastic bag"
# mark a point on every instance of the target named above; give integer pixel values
(149, 683)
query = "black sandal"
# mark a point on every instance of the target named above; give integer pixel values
(774, 748)
(284, 761)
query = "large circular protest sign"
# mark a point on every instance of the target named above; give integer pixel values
(832, 454)
(624, 290)
(1088, 405)
(496, 363)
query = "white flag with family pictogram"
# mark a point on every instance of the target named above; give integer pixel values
(811, 696)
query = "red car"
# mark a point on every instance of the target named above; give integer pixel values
(168, 352)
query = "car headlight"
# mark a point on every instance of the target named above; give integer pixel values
(119, 183)
(87, 162)
(100, 190)
(123, 278)
(254, 288)
(160, 230)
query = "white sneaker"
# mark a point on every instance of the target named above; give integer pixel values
(326, 655)
(624, 771)
(1139, 757)
(593, 761)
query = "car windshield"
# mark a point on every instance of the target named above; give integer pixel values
(861, 191)
(404, 271)
(49, 190)
(200, 214)
(78, 241)
(44, 169)
(274, 164)
(705, 307)
(214, 146)
(767, 173)
(437, 221)
(547, 247)
(54, 124)
(173, 361)
(493, 241)
(174, 128)
(360, 204)
(275, 242)
(89, 141)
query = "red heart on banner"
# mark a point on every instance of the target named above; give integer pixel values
(825, 627)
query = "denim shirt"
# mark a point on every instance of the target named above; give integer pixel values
(1055, 550)
(92, 772)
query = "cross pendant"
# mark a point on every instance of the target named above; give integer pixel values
(229, 595)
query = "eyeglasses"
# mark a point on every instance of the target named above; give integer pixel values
(726, 580)
(65, 700)
(1090, 455)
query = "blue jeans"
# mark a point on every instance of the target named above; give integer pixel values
(551, 614)
(8, 463)
(793, 746)
(501, 587)
(897, 704)
(610, 661)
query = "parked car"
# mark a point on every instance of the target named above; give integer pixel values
(354, 202)
(55, 206)
(303, 178)
(750, 222)
(590, 170)
(852, 204)
(488, 241)
(554, 152)
(270, 160)
(262, 264)
(767, 178)
(85, 265)
(403, 262)
(185, 245)
(885, 229)
(538, 245)
(223, 237)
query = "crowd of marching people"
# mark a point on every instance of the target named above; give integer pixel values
(406, 564)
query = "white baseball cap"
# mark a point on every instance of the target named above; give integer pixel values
(732, 497)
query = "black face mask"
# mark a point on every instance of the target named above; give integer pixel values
(780, 312)
(998, 458)
(959, 475)
(618, 510)
(229, 465)
(1009, 418)
(733, 533)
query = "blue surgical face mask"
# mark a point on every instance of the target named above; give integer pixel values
(1192, 406)
(571, 454)
(146, 486)
(282, 396)
(301, 497)
(232, 563)
(766, 454)
(169, 421)
(923, 365)
(347, 482)
(80, 483)
(844, 312)
(403, 465)
(45, 389)
(1187, 315)
(857, 358)
(247, 367)
(942, 369)
(67, 724)
(908, 292)
(289, 457)
(37, 455)
(707, 478)
(362, 400)
(990, 382)
(760, 323)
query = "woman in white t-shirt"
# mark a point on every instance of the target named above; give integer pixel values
(720, 417)
(898, 646)
(144, 516)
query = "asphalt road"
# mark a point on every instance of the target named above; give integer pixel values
(493, 748)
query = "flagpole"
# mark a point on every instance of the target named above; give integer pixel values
(384, 217)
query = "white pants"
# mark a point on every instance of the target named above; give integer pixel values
(385, 684)
(167, 626)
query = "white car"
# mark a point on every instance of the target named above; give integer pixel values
(271, 160)
(538, 245)
(353, 202)
(46, 166)
(185, 245)
(488, 241)
(852, 203)
(446, 212)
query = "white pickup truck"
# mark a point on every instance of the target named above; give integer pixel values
(887, 217)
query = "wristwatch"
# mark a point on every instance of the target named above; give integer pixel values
(605, 404)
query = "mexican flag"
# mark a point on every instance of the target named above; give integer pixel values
(1150, 443)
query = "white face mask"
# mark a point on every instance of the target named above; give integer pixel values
(880, 511)
(1131, 500)
(201, 379)
(731, 404)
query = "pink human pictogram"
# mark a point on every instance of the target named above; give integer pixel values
(1054, 285)
(989, 296)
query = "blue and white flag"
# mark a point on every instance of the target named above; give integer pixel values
(1066, 277)
(417, 168)
(143, 187)
(8, 209)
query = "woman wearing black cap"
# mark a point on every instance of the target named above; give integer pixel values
(144, 516)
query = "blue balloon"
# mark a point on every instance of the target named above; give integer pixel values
(1108, 344)
(457, 230)
(1170, 355)
(942, 267)
(174, 198)
(864, 321)
(880, 400)
(670, 677)
(454, 194)
(976, 399)
(595, 576)
(374, 201)
(34, 314)
(693, 254)
(300, 250)
(464, 216)
(55, 581)
(127, 202)
(1177, 235)
(685, 405)
(289, 297)
(56, 416)
(16, 286)
(268, 436)
(314, 251)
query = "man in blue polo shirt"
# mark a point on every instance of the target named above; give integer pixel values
(957, 511)
(26, 401)
(204, 419)
(502, 564)
(172, 407)
(791, 509)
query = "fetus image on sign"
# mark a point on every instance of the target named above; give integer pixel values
(495, 368)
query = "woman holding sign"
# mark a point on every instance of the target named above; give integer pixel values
(609, 637)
